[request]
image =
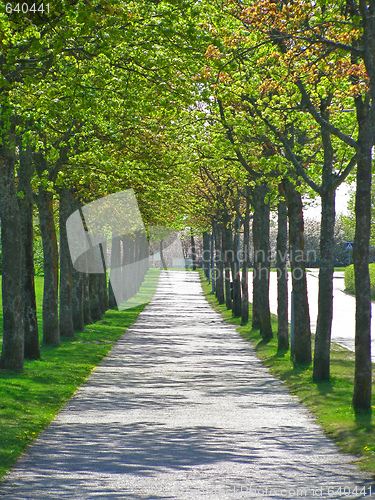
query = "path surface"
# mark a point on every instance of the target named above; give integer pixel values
(343, 323)
(182, 409)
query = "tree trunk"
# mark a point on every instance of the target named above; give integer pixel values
(12, 354)
(228, 250)
(282, 278)
(103, 289)
(325, 297)
(162, 261)
(127, 275)
(206, 253)
(51, 332)
(111, 296)
(95, 311)
(135, 263)
(131, 283)
(143, 254)
(87, 319)
(212, 247)
(219, 263)
(77, 284)
(327, 230)
(362, 376)
(138, 259)
(302, 333)
(30, 322)
(245, 264)
(236, 303)
(31, 333)
(193, 255)
(264, 262)
(112, 304)
(77, 300)
(256, 274)
(115, 272)
(66, 310)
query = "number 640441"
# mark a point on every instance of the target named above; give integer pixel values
(24, 8)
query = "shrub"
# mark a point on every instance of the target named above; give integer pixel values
(349, 279)
(372, 278)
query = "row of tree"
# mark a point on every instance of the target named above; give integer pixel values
(73, 128)
(290, 102)
(213, 112)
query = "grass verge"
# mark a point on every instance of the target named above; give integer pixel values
(30, 400)
(330, 402)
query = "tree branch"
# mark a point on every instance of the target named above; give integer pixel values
(344, 174)
(288, 150)
(323, 123)
(229, 131)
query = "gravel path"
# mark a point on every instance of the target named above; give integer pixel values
(182, 409)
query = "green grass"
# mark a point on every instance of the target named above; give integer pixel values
(330, 402)
(30, 400)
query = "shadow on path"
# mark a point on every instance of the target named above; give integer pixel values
(182, 409)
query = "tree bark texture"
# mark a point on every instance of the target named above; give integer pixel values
(77, 300)
(322, 349)
(12, 354)
(325, 298)
(66, 310)
(86, 299)
(103, 288)
(51, 332)
(135, 252)
(162, 261)
(115, 274)
(77, 284)
(144, 254)
(363, 375)
(193, 255)
(30, 322)
(256, 264)
(95, 311)
(282, 277)
(206, 253)
(111, 297)
(245, 265)
(264, 261)
(302, 333)
(212, 248)
(126, 276)
(138, 259)
(236, 303)
(219, 290)
(227, 249)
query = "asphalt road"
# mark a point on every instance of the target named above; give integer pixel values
(343, 324)
(182, 409)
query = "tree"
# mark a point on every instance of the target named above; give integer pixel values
(338, 40)
(26, 203)
(13, 336)
(282, 278)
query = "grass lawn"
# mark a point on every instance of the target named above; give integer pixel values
(330, 402)
(29, 400)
